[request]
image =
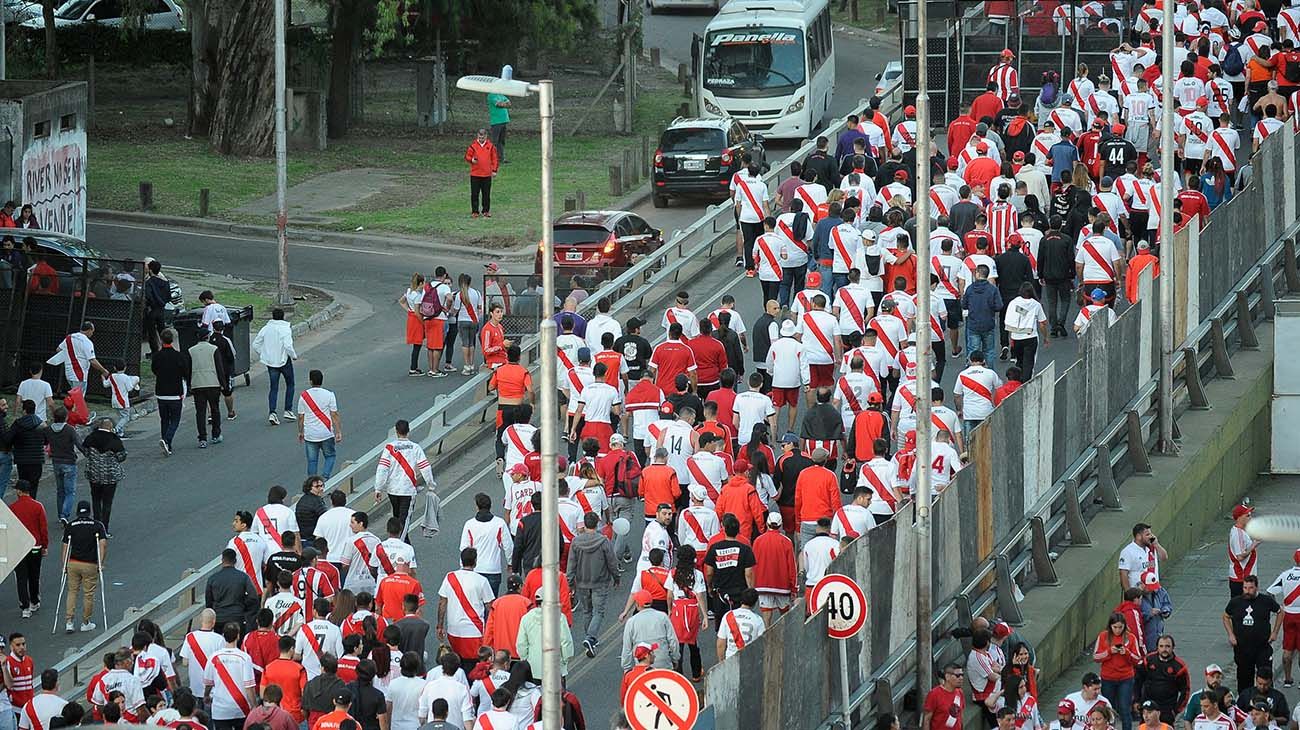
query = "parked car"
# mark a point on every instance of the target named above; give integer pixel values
(158, 14)
(699, 157)
(598, 244)
(892, 74)
(17, 11)
(656, 6)
(69, 256)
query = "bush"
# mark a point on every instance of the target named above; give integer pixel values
(26, 46)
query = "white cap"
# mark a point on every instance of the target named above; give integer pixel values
(868, 234)
(698, 492)
(787, 328)
(774, 519)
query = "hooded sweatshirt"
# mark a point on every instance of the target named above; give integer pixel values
(64, 443)
(27, 440)
(592, 563)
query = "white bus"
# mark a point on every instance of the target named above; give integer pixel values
(768, 63)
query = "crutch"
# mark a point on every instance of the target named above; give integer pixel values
(103, 589)
(63, 582)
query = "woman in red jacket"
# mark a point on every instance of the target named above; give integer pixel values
(1118, 653)
(483, 163)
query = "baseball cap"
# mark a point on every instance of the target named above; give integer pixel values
(790, 438)
(1143, 246)
(909, 110)
(1107, 180)
(1097, 294)
(867, 235)
(1202, 102)
(643, 650)
(1150, 580)
(617, 438)
(1001, 630)
(1260, 705)
(982, 148)
(1118, 128)
(887, 304)
(308, 554)
(635, 322)
(491, 267)
(83, 507)
(537, 594)
(774, 519)
(1006, 53)
(981, 128)
(952, 163)
(666, 409)
(876, 397)
(1065, 706)
(1150, 705)
(1018, 156)
(787, 329)
(740, 467)
(344, 697)
(1213, 669)
(1239, 511)
(698, 492)
(519, 469)
(814, 279)
(900, 175)
(642, 598)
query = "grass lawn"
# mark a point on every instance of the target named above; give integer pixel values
(430, 196)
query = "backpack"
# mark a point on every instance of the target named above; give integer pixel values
(627, 478)
(1233, 63)
(685, 619)
(1291, 72)
(431, 304)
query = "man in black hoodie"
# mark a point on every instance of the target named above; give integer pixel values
(64, 445)
(1056, 269)
(171, 369)
(26, 440)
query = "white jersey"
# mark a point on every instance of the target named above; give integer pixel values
(491, 539)
(975, 386)
(852, 305)
(818, 330)
(360, 549)
(675, 436)
(851, 522)
(1195, 129)
(876, 360)
(787, 364)
(518, 501)
(1187, 90)
(880, 475)
(460, 708)
(592, 499)
(654, 536)
(316, 407)
(42, 708)
(794, 248)
(1101, 101)
(943, 197)
(468, 595)
(816, 556)
(851, 393)
(1083, 706)
(232, 684)
(1090, 311)
(889, 192)
(972, 262)
(944, 463)
(566, 356)
(251, 553)
(740, 627)
(683, 316)
(751, 407)
(905, 135)
(813, 195)
(402, 466)
(574, 383)
(1224, 143)
(708, 470)
(1099, 258)
(287, 613)
(197, 649)
(384, 557)
(751, 197)
(570, 514)
(598, 399)
(891, 333)
(271, 521)
(315, 638)
(846, 246)
(1287, 589)
(737, 321)
(696, 526)
(152, 662)
(481, 691)
(1137, 559)
(518, 440)
(77, 367)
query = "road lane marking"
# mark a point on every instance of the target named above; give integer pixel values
(232, 237)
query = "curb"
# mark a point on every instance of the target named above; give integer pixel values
(301, 234)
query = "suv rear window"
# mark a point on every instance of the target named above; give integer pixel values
(572, 235)
(686, 139)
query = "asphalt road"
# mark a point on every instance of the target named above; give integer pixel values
(173, 513)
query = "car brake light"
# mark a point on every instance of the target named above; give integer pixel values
(726, 157)
(659, 159)
(610, 244)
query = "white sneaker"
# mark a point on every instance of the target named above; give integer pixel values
(273, 419)
(68, 628)
(27, 613)
(36, 607)
(86, 627)
(290, 416)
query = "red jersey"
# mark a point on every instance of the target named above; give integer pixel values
(670, 359)
(1194, 203)
(1005, 390)
(23, 672)
(613, 364)
(987, 104)
(391, 593)
(904, 267)
(492, 339)
(348, 668)
(960, 130)
(1089, 142)
(945, 708)
(263, 645)
(726, 400)
(710, 358)
(721, 430)
(974, 235)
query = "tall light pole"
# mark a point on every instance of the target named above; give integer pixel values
(281, 160)
(1167, 176)
(551, 627)
(922, 498)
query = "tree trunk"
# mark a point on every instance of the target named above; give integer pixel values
(202, 19)
(51, 40)
(345, 38)
(243, 120)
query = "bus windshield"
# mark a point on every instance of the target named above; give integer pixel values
(769, 61)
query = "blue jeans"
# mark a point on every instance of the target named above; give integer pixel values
(287, 371)
(1121, 694)
(985, 342)
(6, 470)
(169, 418)
(837, 281)
(65, 479)
(123, 418)
(791, 282)
(317, 449)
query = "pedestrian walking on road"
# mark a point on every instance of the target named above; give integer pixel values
(85, 545)
(648, 626)
(225, 351)
(402, 469)
(76, 353)
(28, 573)
(319, 427)
(207, 373)
(104, 456)
(593, 571)
(274, 347)
(157, 296)
(171, 370)
(483, 162)
(120, 386)
(309, 508)
(64, 443)
(26, 441)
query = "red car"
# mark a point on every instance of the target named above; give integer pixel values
(599, 243)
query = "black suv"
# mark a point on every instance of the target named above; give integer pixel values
(699, 156)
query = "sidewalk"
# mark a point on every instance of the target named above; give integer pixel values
(1198, 586)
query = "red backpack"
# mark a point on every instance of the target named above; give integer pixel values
(685, 618)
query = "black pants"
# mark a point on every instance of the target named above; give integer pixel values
(480, 187)
(449, 341)
(169, 418)
(207, 408)
(28, 573)
(30, 472)
(1004, 337)
(508, 416)
(703, 390)
(228, 724)
(415, 356)
(696, 666)
(749, 232)
(1056, 296)
(1138, 225)
(101, 501)
(771, 289)
(400, 505)
(940, 350)
(1249, 656)
(497, 133)
(153, 327)
(1025, 352)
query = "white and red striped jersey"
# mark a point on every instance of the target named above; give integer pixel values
(1041, 147)
(518, 440)
(480, 692)
(740, 627)
(1090, 311)
(310, 583)
(696, 526)
(818, 330)
(36, 714)
(974, 261)
(813, 195)
(1224, 143)
(851, 522)
(1195, 130)
(683, 316)
(879, 475)
(251, 553)
(769, 253)
(1099, 258)
(942, 198)
(1113, 204)
(271, 521)
(1066, 118)
(384, 558)
(851, 392)
(1152, 19)
(1007, 79)
(1081, 87)
(945, 462)
(903, 405)
(891, 334)
(518, 501)
(120, 680)
(570, 514)
(975, 387)
(708, 470)
(1003, 221)
(1101, 101)
(948, 269)
(232, 678)
(1141, 108)
(845, 242)
(1222, 722)
(852, 305)
(1219, 94)
(402, 466)
(1287, 589)
(197, 648)
(905, 135)
(1266, 127)
(357, 560)
(1242, 554)
(887, 193)
(287, 613)
(317, 637)
(574, 382)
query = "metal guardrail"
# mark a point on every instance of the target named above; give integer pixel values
(455, 422)
(1090, 484)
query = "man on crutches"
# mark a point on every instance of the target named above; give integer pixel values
(85, 544)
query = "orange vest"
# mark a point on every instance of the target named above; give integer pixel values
(1136, 265)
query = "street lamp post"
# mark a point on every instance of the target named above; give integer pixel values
(551, 627)
(281, 161)
(1168, 175)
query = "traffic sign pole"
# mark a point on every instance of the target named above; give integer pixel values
(846, 614)
(844, 682)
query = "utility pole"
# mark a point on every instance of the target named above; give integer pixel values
(1167, 176)
(551, 688)
(924, 358)
(283, 297)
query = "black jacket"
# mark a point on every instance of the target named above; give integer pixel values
(786, 474)
(528, 544)
(1013, 270)
(157, 293)
(171, 370)
(27, 439)
(308, 512)
(824, 165)
(1163, 681)
(961, 217)
(735, 353)
(760, 340)
(231, 594)
(1056, 258)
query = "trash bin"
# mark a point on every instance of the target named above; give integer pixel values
(186, 325)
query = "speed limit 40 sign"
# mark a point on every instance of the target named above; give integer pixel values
(844, 602)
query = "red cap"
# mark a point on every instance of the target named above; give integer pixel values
(909, 111)
(952, 163)
(1001, 630)
(642, 598)
(982, 147)
(666, 408)
(900, 175)
(1261, 27)
(909, 438)
(1150, 580)
(1241, 510)
(740, 467)
(1019, 155)
(814, 279)
(876, 397)
(1015, 239)
(1006, 53)
(1118, 128)
(1202, 102)
(1065, 706)
(1296, 557)
(643, 650)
